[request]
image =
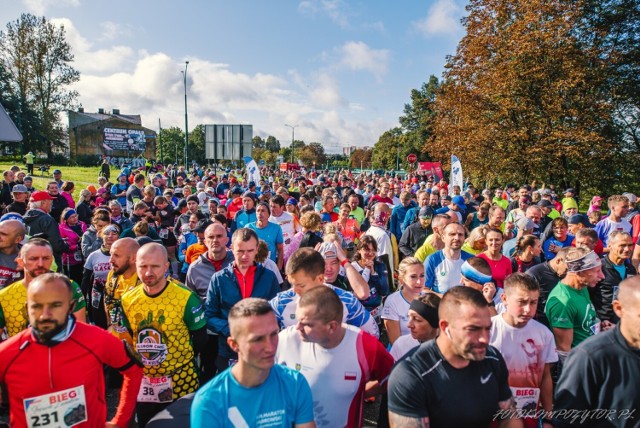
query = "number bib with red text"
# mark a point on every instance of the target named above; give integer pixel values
(156, 390)
(59, 409)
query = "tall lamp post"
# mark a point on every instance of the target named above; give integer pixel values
(186, 118)
(293, 133)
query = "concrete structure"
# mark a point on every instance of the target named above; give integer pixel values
(119, 136)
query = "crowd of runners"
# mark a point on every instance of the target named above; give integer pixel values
(212, 300)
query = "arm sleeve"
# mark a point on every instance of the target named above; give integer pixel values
(577, 383)
(81, 302)
(559, 314)
(194, 312)
(53, 232)
(429, 272)
(407, 394)
(304, 402)
(274, 305)
(119, 356)
(404, 245)
(88, 245)
(213, 312)
(86, 281)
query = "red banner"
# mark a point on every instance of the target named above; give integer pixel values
(430, 168)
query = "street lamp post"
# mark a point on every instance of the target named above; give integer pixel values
(293, 133)
(186, 118)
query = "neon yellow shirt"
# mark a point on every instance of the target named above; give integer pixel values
(160, 327)
(13, 309)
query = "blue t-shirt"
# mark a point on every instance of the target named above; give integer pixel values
(272, 235)
(548, 255)
(283, 400)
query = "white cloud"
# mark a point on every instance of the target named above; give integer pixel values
(150, 84)
(359, 56)
(88, 60)
(443, 17)
(39, 7)
(334, 9)
(112, 31)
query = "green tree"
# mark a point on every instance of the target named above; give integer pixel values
(361, 158)
(525, 96)
(272, 144)
(173, 144)
(257, 142)
(35, 54)
(313, 152)
(387, 148)
(196, 144)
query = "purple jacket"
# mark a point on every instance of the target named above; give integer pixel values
(74, 255)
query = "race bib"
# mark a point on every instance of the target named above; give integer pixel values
(60, 409)
(77, 256)
(156, 390)
(526, 398)
(164, 233)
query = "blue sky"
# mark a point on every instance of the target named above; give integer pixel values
(340, 70)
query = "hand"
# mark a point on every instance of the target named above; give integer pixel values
(489, 291)
(340, 252)
(368, 263)
(110, 425)
(606, 325)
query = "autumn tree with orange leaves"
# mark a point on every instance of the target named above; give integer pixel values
(531, 93)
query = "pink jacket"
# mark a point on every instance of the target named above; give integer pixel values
(74, 255)
(69, 199)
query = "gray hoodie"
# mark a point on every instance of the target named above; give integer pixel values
(200, 273)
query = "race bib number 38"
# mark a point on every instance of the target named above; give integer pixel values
(60, 409)
(156, 390)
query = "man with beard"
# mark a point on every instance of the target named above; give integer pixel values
(426, 388)
(54, 369)
(35, 259)
(121, 278)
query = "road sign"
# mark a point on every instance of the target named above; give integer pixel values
(412, 158)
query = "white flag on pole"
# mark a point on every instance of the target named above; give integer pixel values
(253, 172)
(456, 172)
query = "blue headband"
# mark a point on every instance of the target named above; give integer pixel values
(69, 214)
(472, 274)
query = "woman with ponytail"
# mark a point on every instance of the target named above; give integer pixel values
(527, 254)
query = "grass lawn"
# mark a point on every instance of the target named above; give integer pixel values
(81, 176)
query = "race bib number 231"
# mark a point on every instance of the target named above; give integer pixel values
(59, 409)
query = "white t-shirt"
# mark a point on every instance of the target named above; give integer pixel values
(285, 220)
(525, 350)
(336, 376)
(402, 345)
(396, 308)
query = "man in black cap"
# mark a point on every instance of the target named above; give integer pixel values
(415, 235)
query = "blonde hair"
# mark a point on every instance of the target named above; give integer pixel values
(404, 266)
(311, 220)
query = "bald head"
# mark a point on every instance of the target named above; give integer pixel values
(12, 232)
(128, 246)
(153, 248)
(629, 291)
(50, 282)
